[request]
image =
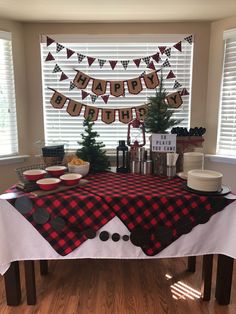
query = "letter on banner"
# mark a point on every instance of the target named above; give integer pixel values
(141, 111)
(117, 88)
(74, 108)
(81, 80)
(108, 115)
(58, 100)
(174, 100)
(99, 87)
(135, 85)
(151, 80)
(91, 112)
(125, 115)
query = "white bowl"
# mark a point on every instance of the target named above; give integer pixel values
(80, 169)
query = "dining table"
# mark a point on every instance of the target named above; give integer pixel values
(117, 216)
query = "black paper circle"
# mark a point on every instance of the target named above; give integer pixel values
(115, 237)
(23, 204)
(104, 236)
(125, 237)
(139, 236)
(183, 225)
(41, 216)
(58, 223)
(163, 235)
(90, 234)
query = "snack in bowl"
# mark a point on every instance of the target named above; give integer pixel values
(48, 184)
(56, 171)
(77, 165)
(70, 178)
(34, 174)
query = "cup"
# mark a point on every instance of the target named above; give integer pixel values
(193, 160)
(171, 172)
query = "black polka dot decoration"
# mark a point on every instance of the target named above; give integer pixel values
(139, 236)
(115, 237)
(125, 237)
(41, 216)
(163, 235)
(90, 234)
(58, 223)
(183, 225)
(104, 236)
(23, 204)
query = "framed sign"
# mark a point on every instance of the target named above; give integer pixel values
(164, 143)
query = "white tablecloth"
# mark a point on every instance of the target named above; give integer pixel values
(19, 240)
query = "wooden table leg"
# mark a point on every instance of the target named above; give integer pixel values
(43, 267)
(191, 264)
(207, 266)
(30, 282)
(12, 284)
(224, 279)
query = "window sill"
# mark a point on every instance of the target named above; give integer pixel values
(13, 159)
(222, 159)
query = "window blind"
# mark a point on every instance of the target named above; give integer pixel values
(227, 118)
(62, 128)
(8, 124)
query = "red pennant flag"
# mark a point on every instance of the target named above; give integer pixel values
(113, 64)
(90, 60)
(170, 75)
(162, 49)
(184, 92)
(84, 94)
(178, 46)
(49, 41)
(156, 57)
(151, 66)
(63, 76)
(69, 53)
(105, 98)
(49, 57)
(137, 62)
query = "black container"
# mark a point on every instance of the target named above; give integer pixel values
(122, 159)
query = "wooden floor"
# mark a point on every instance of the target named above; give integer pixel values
(119, 287)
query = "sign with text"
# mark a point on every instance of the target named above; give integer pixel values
(164, 143)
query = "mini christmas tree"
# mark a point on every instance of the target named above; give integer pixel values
(91, 150)
(158, 118)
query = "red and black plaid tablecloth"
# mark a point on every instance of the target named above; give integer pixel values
(156, 210)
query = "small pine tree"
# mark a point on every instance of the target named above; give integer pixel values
(158, 118)
(91, 150)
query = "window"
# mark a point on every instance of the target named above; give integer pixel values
(227, 118)
(8, 126)
(62, 128)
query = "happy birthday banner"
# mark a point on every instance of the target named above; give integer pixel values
(74, 108)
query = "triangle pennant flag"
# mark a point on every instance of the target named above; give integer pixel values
(63, 76)
(90, 60)
(137, 62)
(105, 98)
(84, 94)
(162, 49)
(166, 64)
(56, 69)
(168, 52)
(189, 39)
(59, 47)
(49, 41)
(69, 53)
(184, 92)
(151, 66)
(125, 64)
(146, 60)
(170, 75)
(176, 85)
(72, 85)
(93, 98)
(101, 62)
(80, 57)
(49, 57)
(113, 64)
(156, 57)
(178, 46)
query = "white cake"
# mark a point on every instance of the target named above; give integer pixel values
(204, 180)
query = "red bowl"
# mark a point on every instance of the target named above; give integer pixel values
(48, 184)
(34, 174)
(71, 178)
(56, 171)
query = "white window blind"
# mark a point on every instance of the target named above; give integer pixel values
(227, 118)
(8, 126)
(62, 128)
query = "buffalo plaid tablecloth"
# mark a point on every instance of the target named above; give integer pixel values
(157, 211)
